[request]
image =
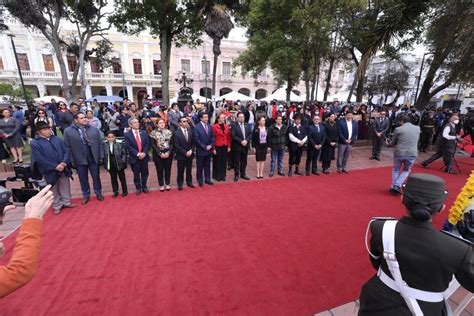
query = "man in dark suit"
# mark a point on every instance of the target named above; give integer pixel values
(241, 135)
(316, 139)
(204, 139)
(84, 142)
(183, 142)
(347, 137)
(380, 126)
(138, 143)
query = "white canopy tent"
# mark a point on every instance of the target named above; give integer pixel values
(280, 95)
(234, 96)
(48, 98)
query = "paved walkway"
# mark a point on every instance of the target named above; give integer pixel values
(358, 160)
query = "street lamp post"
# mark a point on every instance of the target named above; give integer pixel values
(419, 76)
(18, 66)
(206, 73)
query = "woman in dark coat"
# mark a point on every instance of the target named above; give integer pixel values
(329, 148)
(260, 145)
(10, 132)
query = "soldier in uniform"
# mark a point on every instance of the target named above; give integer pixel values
(446, 144)
(414, 117)
(415, 262)
(427, 125)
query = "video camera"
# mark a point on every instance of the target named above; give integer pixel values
(20, 195)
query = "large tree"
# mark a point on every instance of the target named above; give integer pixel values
(89, 19)
(170, 20)
(217, 25)
(45, 16)
(380, 24)
(450, 42)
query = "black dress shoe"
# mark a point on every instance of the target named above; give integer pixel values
(138, 192)
(377, 158)
(100, 197)
(308, 173)
(223, 179)
(325, 172)
(209, 183)
(236, 178)
(281, 174)
(339, 171)
(180, 188)
(315, 173)
(201, 185)
(245, 177)
(372, 158)
(85, 200)
(124, 194)
(191, 186)
(114, 195)
(145, 190)
(424, 165)
(345, 171)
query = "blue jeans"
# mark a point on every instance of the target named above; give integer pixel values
(399, 177)
(277, 156)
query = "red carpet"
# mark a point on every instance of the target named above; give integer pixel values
(280, 247)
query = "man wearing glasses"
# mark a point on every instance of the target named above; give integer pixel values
(380, 127)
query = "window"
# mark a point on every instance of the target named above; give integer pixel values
(95, 67)
(157, 67)
(48, 62)
(116, 66)
(23, 61)
(341, 75)
(1, 63)
(71, 63)
(185, 65)
(226, 68)
(137, 66)
(206, 67)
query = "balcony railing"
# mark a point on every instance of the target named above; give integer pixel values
(56, 75)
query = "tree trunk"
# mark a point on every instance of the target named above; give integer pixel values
(351, 90)
(395, 99)
(216, 49)
(165, 49)
(360, 87)
(305, 68)
(328, 79)
(82, 64)
(74, 81)
(62, 69)
(288, 90)
(315, 79)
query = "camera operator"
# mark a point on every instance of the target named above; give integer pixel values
(446, 144)
(112, 119)
(50, 161)
(22, 266)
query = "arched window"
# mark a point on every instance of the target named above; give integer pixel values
(224, 91)
(245, 91)
(260, 94)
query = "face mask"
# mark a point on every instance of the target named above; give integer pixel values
(456, 122)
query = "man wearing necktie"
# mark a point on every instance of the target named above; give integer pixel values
(137, 143)
(380, 126)
(183, 143)
(204, 139)
(316, 139)
(241, 135)
(84, 142)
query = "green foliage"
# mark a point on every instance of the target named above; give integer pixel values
(15, 94)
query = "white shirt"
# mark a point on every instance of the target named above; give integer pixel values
(446, 132)
(111, 147)
(349, 129)
(295, 139)
(251, 117)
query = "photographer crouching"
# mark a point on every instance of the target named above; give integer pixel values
(22, 266)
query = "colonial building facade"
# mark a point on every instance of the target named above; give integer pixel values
(136, 67)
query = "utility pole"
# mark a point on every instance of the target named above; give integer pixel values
(19, 69)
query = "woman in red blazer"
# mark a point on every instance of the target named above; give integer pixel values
(221, 147)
